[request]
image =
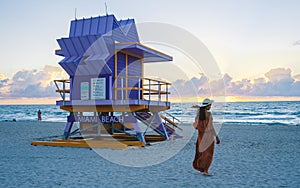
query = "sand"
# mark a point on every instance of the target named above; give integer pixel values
(262, 156)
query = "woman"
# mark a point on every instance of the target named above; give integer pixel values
(205, 140)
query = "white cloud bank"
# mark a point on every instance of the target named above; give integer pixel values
(31, 83)
(276, 82)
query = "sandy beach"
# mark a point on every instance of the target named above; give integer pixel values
(260, 156)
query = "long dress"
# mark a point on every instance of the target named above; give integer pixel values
(204, 145)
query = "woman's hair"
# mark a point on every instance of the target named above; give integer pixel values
(202, 113)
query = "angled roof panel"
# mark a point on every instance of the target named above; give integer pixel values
(85, 42)
(71, 59)
(77, 45)
(109, 23)
(91, 39)
(86, 26)
(73, 67)
(78, 28)
(63, 47)
(102, 25)
(70, 64)
(125, 25)
(66, 68)
(72, 28)
(70, 46)
(94, 26)
(128, 32)
(99, 26)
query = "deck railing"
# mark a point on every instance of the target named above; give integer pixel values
(63, 88)
(126, 88)
(146, 88)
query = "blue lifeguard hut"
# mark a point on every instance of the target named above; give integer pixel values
(107, 91)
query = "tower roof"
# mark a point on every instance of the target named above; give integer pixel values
(102, 25)
(93, 41)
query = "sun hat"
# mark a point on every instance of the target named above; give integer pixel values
(206, 102)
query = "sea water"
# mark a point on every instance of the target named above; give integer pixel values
(249, 113)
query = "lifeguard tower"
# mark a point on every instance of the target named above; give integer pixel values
(107, 92)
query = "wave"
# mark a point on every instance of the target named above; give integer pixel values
(260, 123)
(260, 113)
(277, 113)
(295, 113)
(227, 113)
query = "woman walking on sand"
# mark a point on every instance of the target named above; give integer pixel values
(205, 140)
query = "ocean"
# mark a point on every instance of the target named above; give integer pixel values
(241, 113)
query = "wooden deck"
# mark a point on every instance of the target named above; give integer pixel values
(117, 141)
(80, 143)
(113, 106)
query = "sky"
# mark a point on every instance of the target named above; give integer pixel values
(255, 43)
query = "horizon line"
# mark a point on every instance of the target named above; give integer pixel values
(192, 100)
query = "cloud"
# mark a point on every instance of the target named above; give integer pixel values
(296, 43)
(3, 84)
(276, 82)
(279, 75)
(190, 88)
(297, 77)
(31, 83)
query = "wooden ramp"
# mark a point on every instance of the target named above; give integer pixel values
(148, 138)
(92, 143)
(115, 141)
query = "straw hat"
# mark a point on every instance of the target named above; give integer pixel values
(206, 102)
